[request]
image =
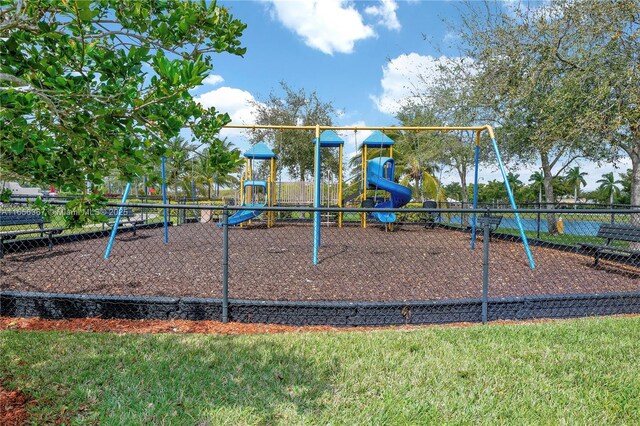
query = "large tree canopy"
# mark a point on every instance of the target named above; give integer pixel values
(294, 147)
(561, 78)
(89, 87)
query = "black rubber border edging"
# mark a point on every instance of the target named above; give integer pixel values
(341, 314)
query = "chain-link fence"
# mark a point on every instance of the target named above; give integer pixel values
(325, 266)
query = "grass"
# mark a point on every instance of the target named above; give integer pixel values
(568, 372)
(568, 239)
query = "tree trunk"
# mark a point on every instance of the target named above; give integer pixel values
(575, 197)
(539, 196)
(462, 172)
(635, 181)
(463, 183)
(548, 191)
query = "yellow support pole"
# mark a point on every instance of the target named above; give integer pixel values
(271, 186)
(364, 183)
(340, 185)
(250, 189)
(392, 177)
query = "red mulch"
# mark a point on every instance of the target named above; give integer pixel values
(156, 326)
(13, 407)
(98, 325)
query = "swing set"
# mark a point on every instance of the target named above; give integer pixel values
(380, 169)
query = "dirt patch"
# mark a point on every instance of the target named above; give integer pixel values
(13, 407)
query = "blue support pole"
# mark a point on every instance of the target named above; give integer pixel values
(475, 195)
(316, 199)
(164, 201)
(525, 242)
(114, 230)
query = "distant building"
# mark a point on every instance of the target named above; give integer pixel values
(17, 190)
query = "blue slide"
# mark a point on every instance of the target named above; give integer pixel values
(380, 173)
(244, 215)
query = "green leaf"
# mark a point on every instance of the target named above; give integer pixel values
(18, 147)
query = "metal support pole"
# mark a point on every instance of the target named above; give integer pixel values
(475, 193)
(225, 265)
(340, 185)
(316, 199)
(538, 222)
(485, 266)
(116, 223)
(164, 201)
(512, 200)
(613, 217)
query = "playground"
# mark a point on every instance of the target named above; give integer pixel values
(355, 264)
(372, 253)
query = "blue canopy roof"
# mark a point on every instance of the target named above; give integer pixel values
(378, 139)
(329, 138)
(260, 151)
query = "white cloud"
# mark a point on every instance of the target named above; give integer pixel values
(238, 104)
(406, 75)
(213, 80)
(451, 37)
(387, 13)
(327, 25)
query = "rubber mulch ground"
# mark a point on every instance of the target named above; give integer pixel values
(355, 264)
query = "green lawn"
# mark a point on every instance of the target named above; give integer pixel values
(568, 372)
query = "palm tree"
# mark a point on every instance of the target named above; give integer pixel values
(216, 165)
(513, 179)
(609, 185)
(576, 178)
(178, 162)
(537, 182)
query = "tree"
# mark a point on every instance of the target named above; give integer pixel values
(607, 55)
(537, 182)
(294, 148)
(513, 179)
(626, 181)
(446, 99)
(527, 75)
(215, 166)
(178, 163)
(454, 190)
(609, 185)
(576, 178)
(91, 87)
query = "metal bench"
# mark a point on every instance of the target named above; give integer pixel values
(493, 221)
(430, 218)
(615, 232)
(127, 215)
(17, 218)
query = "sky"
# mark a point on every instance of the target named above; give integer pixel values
(362, 56)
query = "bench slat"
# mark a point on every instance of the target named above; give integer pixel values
(621, 232)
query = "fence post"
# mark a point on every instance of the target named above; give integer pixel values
(485, 265)
(225, 265)
(538, 223)
(613, 217)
